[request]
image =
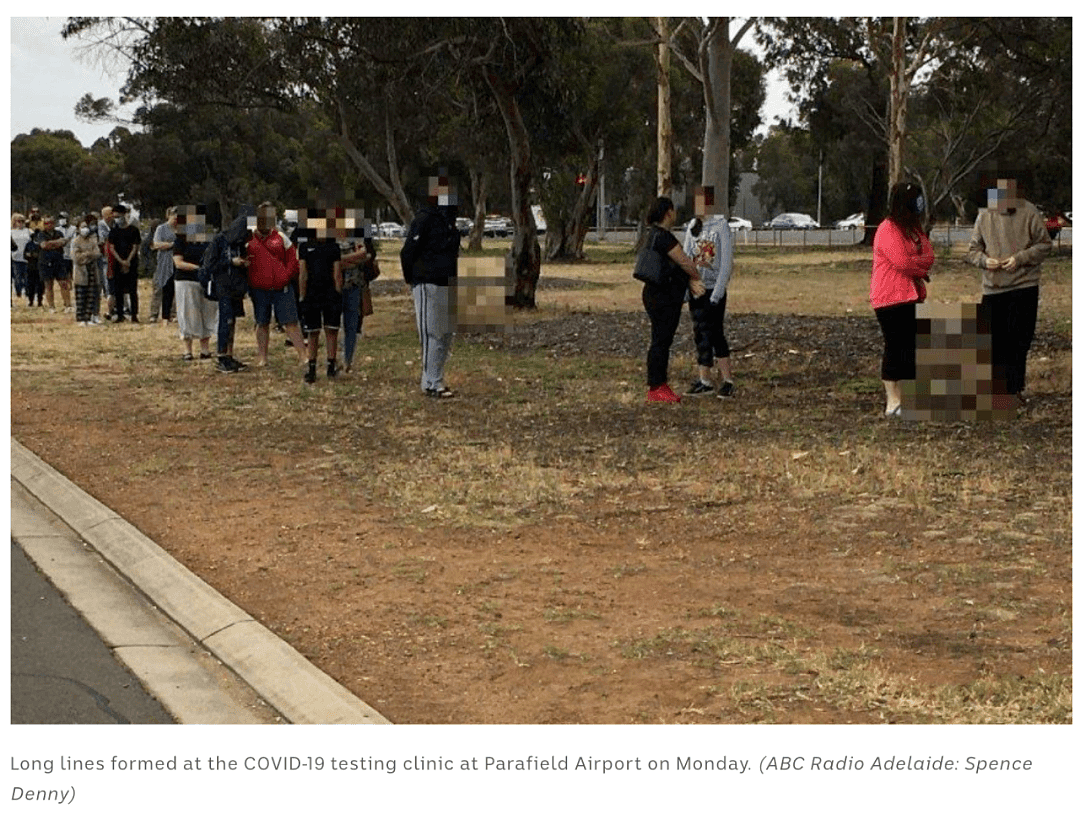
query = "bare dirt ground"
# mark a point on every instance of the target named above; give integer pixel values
(546, 548)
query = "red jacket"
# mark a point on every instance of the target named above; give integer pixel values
(901, 267)
(272, 265)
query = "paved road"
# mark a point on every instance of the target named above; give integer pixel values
(61, 671)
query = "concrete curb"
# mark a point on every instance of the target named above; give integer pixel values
(287, 681)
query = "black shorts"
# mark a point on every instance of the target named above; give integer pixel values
(321, 312)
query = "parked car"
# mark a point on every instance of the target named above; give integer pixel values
(496, 226)
(737, 223)
(792, 220)
(856, 221)
(389, 229)
(464, 226)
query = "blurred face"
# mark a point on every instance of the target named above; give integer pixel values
(265, 219)
(1004, 196)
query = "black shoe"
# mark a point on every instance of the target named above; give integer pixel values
(331, 368)
(226, 364)
(240, 365)
(727, 389)
(699, 387)
(309, 376)
(203, 356)
(443, 392)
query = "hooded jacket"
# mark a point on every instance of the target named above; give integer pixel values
(430, 252)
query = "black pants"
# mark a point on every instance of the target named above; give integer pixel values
(898, 328)
(664, 307)
(709, 336)
(126, 283)
(35, 286)
(1012, 327)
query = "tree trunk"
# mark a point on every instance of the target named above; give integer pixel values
(663, 110)
(525, 258)
(478, 184)
(716, 78)
(567, 240)
(393, 192)
(899, 86)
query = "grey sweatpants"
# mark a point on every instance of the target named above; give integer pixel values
(436, 329)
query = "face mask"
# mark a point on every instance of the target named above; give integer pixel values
(120, 221)
(920, 204)
(84, 231)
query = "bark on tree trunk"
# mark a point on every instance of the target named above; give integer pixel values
(393, 192)
(478, 184)
(525, 257)
(899, 86)
(716, 78)
(568, 240)
(663, 110)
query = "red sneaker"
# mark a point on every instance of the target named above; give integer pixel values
(663, 394)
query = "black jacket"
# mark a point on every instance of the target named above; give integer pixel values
(430, 253)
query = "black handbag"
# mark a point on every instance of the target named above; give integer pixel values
(649, 267)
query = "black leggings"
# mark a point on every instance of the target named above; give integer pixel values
(709, 336)
(898, 327)
(664, 307)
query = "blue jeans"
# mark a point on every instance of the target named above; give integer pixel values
(351, 319)
(18, 275)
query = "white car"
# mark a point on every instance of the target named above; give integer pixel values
(389, 229)
(737, 223)
(792, 220)
(856, 221)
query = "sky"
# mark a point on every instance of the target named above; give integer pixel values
(38, 51)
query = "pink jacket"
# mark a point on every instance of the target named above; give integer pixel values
(900, 267)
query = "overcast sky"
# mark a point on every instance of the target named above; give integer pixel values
(41, 59)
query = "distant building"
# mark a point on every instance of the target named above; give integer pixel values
(746, 205)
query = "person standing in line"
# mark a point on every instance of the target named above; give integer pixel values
(69, 231)
(104, 227)
(85, 253)
(35, 287)
(663, 302)
(903, 257)
(124, 240)
(429, 259)
(360, 269)
(1009, 243)
(164, 285)
(50, 240)
(20, 237)
(196, 315)
(272, 263)
(320, 286)
(231, 285)
(709, 244)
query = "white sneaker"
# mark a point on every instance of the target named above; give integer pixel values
(95, 321)
(84, 323)
(69, 309)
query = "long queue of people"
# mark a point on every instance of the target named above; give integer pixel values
(316, 278)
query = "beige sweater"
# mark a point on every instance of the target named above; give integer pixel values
(1021, 233)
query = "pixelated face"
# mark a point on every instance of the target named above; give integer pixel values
(191, 223)
(265, 219)
(704, 202)
(441, 190)
(1004, 196)
(333, 222)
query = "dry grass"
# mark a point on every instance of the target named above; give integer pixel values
(968, 513)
